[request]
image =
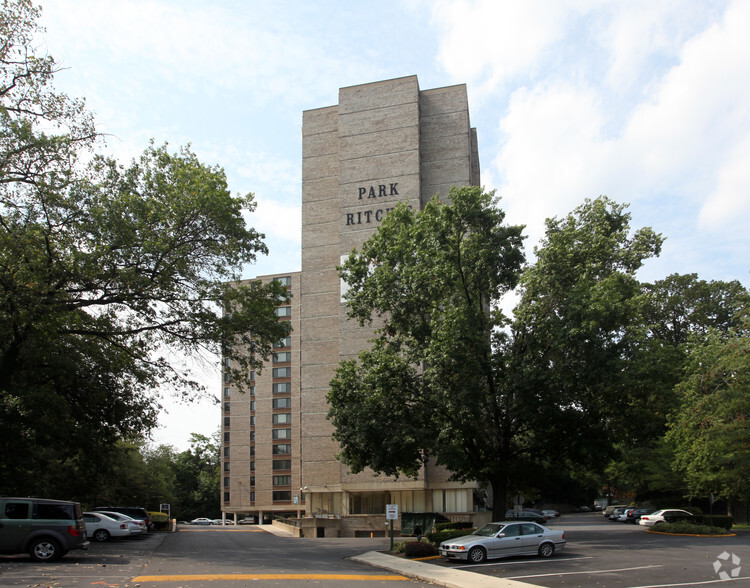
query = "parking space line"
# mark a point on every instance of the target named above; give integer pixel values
(588, 572)
(705, 582)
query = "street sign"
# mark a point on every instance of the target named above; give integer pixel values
(164, 508)
(391, 512)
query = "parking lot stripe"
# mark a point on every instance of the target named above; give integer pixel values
(208, 577)
(589, 572)
(705, 582)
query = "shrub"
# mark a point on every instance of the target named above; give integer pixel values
(438, 537)
(453, 525)
(723, 521)
(160, 520)
(685, 528)
(419, 549)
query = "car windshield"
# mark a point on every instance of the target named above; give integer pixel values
(489, 530)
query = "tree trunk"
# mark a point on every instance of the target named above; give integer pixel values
(499, 484)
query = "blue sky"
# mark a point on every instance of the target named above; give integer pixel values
(646, 101)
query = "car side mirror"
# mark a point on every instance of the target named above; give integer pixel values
(500, 535)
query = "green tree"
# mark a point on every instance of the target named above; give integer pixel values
(711, 429)
(106, 272)
(429, 385)
(197, 479)
(574, 328)
(493, 401)
(677, 310)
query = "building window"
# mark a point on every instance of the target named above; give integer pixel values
(252, 435)
(282, 495)
(252, 450)
(252, 496)
(282, 403)
(226, 392)
(226, 377)
(282, 449)
(226, 437)
(252, 466)
(252, 375)
(282, 418)
(282, 387)
(227, 362)
(226, 481)
(252, 405)
(282, 480)
(226, 466)
(226, 452)
(252, 421)
(286, 342)
(285, 372)
(282, 357)
(282, 464)
(226, 407)
(226, 497)
(283, 311)
(252, 390)
(281, 434)
(285, 281)
(227, 420)
(252, 480)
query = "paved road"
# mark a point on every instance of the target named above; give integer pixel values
(599, 554)
(609, 554)
(210, 557)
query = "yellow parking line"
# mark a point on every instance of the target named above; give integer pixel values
(207, 577)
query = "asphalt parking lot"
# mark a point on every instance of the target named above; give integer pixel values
(606, 554)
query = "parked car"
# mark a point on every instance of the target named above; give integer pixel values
(551, 514)
(610, 509)
(137, 527)
(620, 514)
(667, 515)
(137, 512)
(526, 515)
(101, 527)
(504, 539)
(247, 521)
(201, 521)
(45, 529)
(634, 515)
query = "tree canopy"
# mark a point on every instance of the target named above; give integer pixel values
(110, 275)
(448, 375)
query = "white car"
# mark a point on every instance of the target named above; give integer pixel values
(550, 514)
(504, 539)
(136, 526)
(667, 515)
(102, 527)
(201, 521)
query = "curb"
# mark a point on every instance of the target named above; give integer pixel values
(435, 574)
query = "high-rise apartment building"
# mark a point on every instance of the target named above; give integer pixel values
(383, 143)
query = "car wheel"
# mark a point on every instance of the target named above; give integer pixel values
(45, 550)
(546, 550)
(477, 555)
(101, 535)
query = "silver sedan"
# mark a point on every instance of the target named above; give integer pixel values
(504, 539)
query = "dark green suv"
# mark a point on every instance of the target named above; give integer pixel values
(45, 529)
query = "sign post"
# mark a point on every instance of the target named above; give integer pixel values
(391, 514)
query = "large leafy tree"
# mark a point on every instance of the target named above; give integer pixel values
(429, 384)
(711, 428)
(110, 275)
(449, 376)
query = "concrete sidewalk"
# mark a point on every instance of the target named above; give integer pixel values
(438, 575)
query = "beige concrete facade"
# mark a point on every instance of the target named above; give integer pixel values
(384, 143)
